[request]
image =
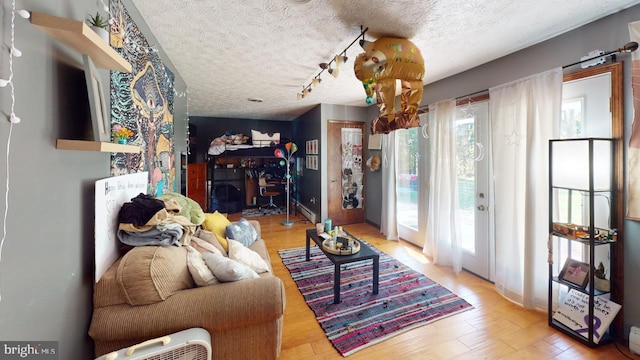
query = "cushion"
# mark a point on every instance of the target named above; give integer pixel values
(217, 224)
(243, 254)
(150, 274)
(242, 231)
(264, 139)
(226, 269)
(203, 246)
(212, 239)
(199, 270)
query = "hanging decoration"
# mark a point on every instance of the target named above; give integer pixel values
(289, 149)
(383, 62)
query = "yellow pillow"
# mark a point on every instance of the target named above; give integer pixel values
(217, 224)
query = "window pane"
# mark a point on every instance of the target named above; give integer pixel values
(466, 174)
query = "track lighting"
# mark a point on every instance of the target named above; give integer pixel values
(339, 60)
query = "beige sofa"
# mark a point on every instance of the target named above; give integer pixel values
(150, 293)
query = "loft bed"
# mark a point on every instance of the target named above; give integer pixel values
(226, 189)
(240, 145)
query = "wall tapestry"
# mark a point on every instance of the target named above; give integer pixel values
(633, 198)
(142, 101)
(352, 168)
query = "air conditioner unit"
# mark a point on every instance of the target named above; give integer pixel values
(190, 344)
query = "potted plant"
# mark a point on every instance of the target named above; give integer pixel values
(121, 134)
(99, 25)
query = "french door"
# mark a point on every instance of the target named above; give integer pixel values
(474, 198)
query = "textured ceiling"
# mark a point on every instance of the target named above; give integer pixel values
(231, 51)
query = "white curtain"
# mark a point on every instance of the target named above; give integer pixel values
(388, 220)
(524, 116)
(443, 231)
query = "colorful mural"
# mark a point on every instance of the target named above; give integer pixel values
(142, 101)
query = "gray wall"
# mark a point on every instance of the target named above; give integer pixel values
(46, 272)
(607, 34)
(307, 127)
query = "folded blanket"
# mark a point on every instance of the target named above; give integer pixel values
(156, 236)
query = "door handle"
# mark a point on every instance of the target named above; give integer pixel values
(481, 207)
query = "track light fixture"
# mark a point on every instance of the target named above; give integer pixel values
(337, 60)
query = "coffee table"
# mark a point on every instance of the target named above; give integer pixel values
(365, 253)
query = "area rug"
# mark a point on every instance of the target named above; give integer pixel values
(254, 212)
(406, 298)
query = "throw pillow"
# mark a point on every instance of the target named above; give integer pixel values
(217, 224)
(243, 254)
(212, 239)
(150, 274)
(226, 269)
(203, 246)
(242, 231)
(199, 270)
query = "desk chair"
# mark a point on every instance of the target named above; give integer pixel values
(268, 190)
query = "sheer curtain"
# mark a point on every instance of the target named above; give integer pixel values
(524, 116)
(443, 232)
(388, 219)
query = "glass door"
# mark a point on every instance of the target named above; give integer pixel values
(472, 145)
(407, 188)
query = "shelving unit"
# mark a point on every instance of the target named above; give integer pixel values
(581, 192)
(81, 38)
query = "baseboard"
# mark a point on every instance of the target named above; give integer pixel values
(310, 215)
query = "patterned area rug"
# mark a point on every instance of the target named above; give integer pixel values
(254, 212)
(406, 298)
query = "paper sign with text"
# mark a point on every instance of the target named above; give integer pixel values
(573, 312)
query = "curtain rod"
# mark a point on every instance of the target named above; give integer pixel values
(628, 47)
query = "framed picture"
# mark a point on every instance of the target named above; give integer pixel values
(99, 112)
(575, 272)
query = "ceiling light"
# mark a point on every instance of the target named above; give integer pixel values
(335, 72)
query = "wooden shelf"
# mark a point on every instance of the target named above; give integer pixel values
(96, 146)
(80, 37)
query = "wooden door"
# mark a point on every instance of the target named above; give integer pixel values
(345, 171)
(197, 183)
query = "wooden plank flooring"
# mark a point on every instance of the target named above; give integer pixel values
(494, 329)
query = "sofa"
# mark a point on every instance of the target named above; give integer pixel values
(150, 293)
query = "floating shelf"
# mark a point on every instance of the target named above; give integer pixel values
(80, 37)
(84, 145)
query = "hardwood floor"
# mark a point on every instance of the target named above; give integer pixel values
(494, 329)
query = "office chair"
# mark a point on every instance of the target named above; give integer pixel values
(267, 190)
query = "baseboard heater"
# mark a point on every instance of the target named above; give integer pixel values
(307, 213)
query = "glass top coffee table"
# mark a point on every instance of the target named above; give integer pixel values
(365, 253)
